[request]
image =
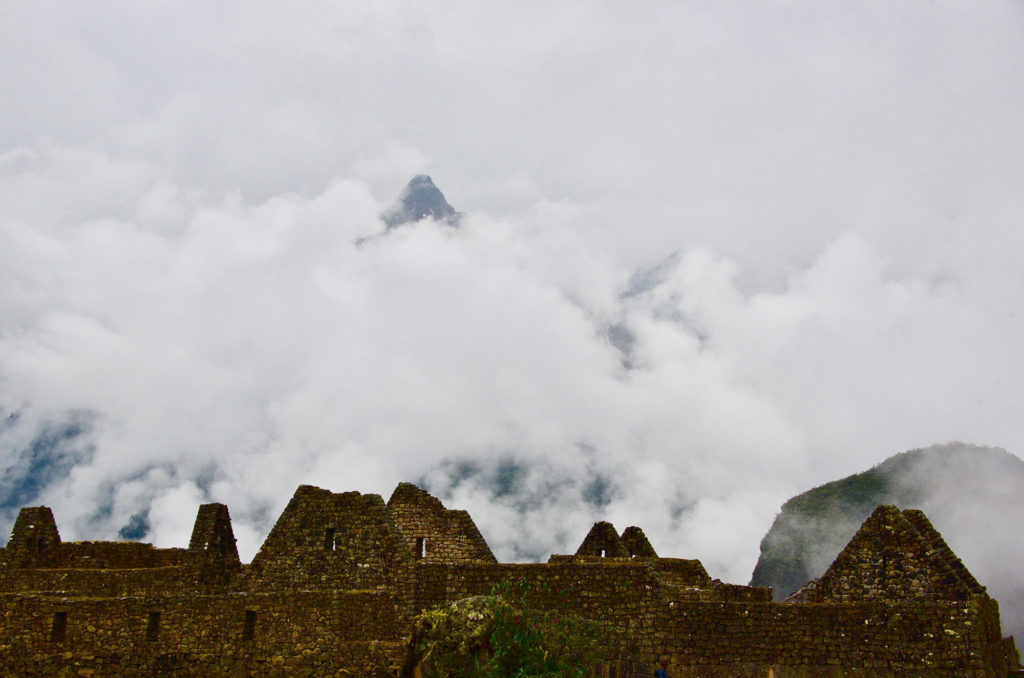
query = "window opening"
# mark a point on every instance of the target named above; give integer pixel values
(153, 626)
(59, 629)
(249, 630)
(329, 542)
(421, 547)
(603, 552)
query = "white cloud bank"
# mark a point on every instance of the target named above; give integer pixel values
(826, 201)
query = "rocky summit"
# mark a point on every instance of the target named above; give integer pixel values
(421, 199)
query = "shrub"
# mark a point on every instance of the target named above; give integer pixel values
(522, 629)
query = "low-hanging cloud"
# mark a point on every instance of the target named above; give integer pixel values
(768, 250)
(244, 348)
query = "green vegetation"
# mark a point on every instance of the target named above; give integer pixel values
(520, 630)
(813, 527)
(853, 493)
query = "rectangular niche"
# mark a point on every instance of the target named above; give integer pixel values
(59, 627)
(153, 626)
(249, 627)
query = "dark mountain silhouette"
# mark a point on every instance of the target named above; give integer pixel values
(971, 494)
(421, 199)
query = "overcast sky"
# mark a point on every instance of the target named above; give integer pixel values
(714, 254)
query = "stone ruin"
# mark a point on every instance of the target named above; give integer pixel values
(336, 586)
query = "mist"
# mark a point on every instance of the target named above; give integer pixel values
(710, 256)
(968, 492)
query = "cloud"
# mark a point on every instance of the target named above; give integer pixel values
(798, 222)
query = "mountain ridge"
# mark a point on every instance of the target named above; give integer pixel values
(968, 491)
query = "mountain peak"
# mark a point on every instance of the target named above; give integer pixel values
(421, 199)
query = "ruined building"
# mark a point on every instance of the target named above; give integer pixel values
(340, 578)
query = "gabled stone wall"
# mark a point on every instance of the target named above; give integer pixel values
(603, 542)
(34, 541)
(335, 589)
(635, 541)
(433, 533)
(213, 536)
(896, 556)
(328, 541)
(939, 550)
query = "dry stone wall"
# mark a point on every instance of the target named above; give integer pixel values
(122, 555)
(102, 582)
(603, 542)
(327, 541)
(304, 633)
(636, 542)
(433, 533)
(213, 538)
(937, 638)
(938, 550)
(34, 540)
(896, 555)
(336, 586)
(642, 618)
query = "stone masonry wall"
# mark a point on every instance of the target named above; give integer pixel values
(433, 533)
(603, 541)
(936, 546)
(101, 582)
(300, 633)
(34, 540)
(102, 554)
(636, 542)
(937, 638)
(892, 558)
(321, 632)
(123, 555)
(335, 590)
(642, 621)
(326, 541)
(213, 539)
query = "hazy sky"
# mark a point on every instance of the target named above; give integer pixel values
(800, 222)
